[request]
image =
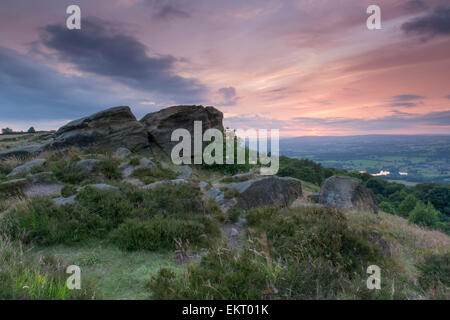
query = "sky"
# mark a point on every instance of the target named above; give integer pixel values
(305, 67)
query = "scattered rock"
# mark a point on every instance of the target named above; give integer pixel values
(267, 191)
(203, 184)
(161, 124)
(128, 169)
(185, 172)
(155, 184)
(62, 201)
(114, 127)
(87, 166)
(42, 177)
(314, 197)
(26, 167)
(164, 165)
(43, 189)
(24, 152)
(123, 152)
(13, 184)
(347, 193)
(298, 204)
(102, 186)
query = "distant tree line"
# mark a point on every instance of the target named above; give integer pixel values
(7, 131)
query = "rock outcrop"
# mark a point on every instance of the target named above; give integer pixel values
(161, 124)
(24, 152)
(347, 193)
(114, 127)
(26, 167)
(267, 191)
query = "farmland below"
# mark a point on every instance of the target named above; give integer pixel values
(425, 158)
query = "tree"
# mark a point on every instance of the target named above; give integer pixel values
(386, 207)
(375, 185)
(407, 205)
(31, 130)
(424, 215)
(440, 198)
(7, 131)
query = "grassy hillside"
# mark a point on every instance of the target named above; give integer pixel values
(171, 242)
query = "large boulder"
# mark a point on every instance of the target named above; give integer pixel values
(24, 152)
(347, 193)
(26, 167)
(114, 127)
(267, 191)
(161, 124)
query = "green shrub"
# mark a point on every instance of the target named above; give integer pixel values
(109, 169)
(150, 175)
(424, 215)
(68, 190)
(407, 205)
(234, 215)
(66, 172)
(182, 200)
(108, 208)
(434, 273)
(39, 220)
(386, 207)
(231, 193)
(159, 233)
(222, 274)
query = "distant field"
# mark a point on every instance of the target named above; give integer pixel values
(424, 157)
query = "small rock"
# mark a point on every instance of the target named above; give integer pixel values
(234, 232)
(203, 184)
(42, 177)
(164, 165)
(62, 201)
(155, 184)
(123, 152)
(103, 186)
(43, 189)
(26, 167)
(185, 172)
(87, 166)
(314, 197)
(128, 169)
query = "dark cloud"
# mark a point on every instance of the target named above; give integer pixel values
(407, 97)
(30, 90)
(434, 23)
(168, 12)
(415, 6)
(101, 49)
(394, 121)
(228, 96)
(403, 104)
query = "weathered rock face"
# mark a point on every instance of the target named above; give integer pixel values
(26, 167)
(114, 127)
(347, 193)
(24, 152)
(267, 191)
(161, 124)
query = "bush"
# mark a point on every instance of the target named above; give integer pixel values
(386, 207)
(407, 205)
(434, 273)
(424, 215)
(108, 168)
(39, 220)
(68, 190)
(150, 175)
(159, 233)
(222, 274)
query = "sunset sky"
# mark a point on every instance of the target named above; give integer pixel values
(305, 67)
